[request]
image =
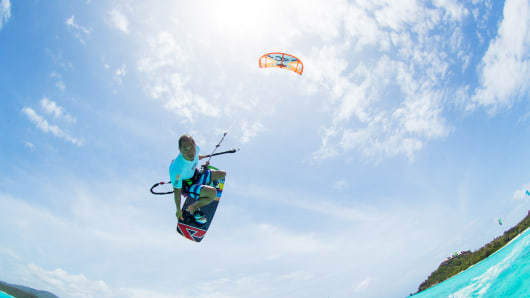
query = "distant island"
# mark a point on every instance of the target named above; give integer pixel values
(457, 263)
(24, 292)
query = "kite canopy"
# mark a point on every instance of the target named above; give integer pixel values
(281, 60)
(528, 193)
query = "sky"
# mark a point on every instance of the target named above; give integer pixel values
(405, 139)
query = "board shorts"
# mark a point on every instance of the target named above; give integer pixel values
(192, 187)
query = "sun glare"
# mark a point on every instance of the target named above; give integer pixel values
(241, 22)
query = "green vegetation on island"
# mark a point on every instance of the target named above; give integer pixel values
(19, 291)
(12, 291)
(460, 262)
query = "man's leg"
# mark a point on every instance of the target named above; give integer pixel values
(207, 193)
(206, 196)
(217, 175)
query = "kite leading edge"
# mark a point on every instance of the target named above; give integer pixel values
(281, 60)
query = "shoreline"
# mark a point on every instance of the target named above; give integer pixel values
(481, 254)
(434, 286)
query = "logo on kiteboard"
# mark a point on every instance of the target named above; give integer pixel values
(190, 232)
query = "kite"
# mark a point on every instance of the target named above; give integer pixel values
(281, 60)
(527, 193)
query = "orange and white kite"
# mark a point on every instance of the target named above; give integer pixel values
(281, 60)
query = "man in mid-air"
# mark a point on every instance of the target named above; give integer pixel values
(187, 179)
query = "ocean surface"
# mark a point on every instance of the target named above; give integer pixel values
(505, 273)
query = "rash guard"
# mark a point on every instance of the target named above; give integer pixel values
(181, 169)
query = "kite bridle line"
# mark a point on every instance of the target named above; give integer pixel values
(213, 152)
(233, 150)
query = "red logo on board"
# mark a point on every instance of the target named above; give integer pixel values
(190, 232)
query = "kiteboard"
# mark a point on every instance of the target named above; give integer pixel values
(188, 227)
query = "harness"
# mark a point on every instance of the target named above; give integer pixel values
(187, 183)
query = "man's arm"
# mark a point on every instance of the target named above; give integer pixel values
(176, 193)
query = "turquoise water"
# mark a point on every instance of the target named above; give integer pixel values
(4, 295)
(503, 274)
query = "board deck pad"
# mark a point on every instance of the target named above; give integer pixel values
(192, 230)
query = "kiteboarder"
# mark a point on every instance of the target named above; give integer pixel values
(187, 179)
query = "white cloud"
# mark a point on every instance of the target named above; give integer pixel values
(58, 112)
(119, 74)
(119, 21)
(363, 29)
(45, 127)
(167, 79)
(29, 145)
(163, 53)
(60, 85)
(78, 285)
(412, 115)
(59, 60)
(422, 116)
(250, 130)
(325, 23)
(59, 82)
(361, 286)
(319, 206)
(65, 284)
(505, 68)
(378, 140)
(453, 9)
(395, 15)
(390, 99)
(340, 184)
(327, 148)
(524, 117)
(70, 22)
(481, 14)
(61, 234)
(280, 242)
(5, 12)
(79, 31)
(521, 194)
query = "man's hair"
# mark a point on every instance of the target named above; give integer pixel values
(185, 137)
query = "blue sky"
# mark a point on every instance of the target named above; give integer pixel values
(404, 140)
